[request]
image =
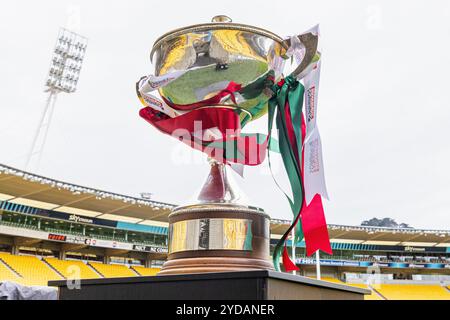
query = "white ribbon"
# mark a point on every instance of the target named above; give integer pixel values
(313, 166)
(147, 85)
(299, 52)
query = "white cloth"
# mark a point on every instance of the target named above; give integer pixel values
(14, 291)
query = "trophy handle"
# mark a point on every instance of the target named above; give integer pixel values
(310, 41)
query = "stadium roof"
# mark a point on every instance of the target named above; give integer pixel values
(37, 191)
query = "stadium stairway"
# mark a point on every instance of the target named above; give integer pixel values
(113, 270)
(73, 269)
(54, 269)
(7, 273)
(373, 296)
(375, 293)
(142, 271)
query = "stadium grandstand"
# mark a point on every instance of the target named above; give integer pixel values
(53, 230)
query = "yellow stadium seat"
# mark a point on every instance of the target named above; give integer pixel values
(72, 269)
(334, 280)
(34, 272)
(372, 296)
(113, 270)
(413, 292)
(146, 271)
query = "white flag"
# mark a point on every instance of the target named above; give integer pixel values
(314, 175)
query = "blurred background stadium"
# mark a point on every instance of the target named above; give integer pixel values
(54, 230)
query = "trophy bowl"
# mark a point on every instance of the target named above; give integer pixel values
(212, 55)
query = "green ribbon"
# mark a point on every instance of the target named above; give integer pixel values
(291, 91)
(254, 91)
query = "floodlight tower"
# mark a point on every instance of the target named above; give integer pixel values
(63, 76)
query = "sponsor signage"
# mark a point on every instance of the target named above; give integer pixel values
(365, 264)
(77, 240)
(304, 261)
(435, 265)
(398, 264)
(340, 263)
(351, 264)
(149, 249)
(75, 218)
(56, 237)
(414, 249)
(110, 244)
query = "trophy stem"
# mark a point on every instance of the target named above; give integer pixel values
(217, 188)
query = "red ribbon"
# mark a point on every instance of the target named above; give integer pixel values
(287, 262)
(315, 227)
(222, 118)
(250, 151)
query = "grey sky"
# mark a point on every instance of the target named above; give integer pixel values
(383, 107)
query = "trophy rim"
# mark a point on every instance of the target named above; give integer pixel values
(218, 207)
(216, 26)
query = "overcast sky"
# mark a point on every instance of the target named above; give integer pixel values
(383, 110)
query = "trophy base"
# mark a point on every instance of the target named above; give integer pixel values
(217, 238)
(211, 265)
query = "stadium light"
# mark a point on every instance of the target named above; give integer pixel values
(67, 61)
(63, 76)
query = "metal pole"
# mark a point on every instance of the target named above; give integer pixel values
(49, 120)
(38, 129)
(318, 265)
(293, 247)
